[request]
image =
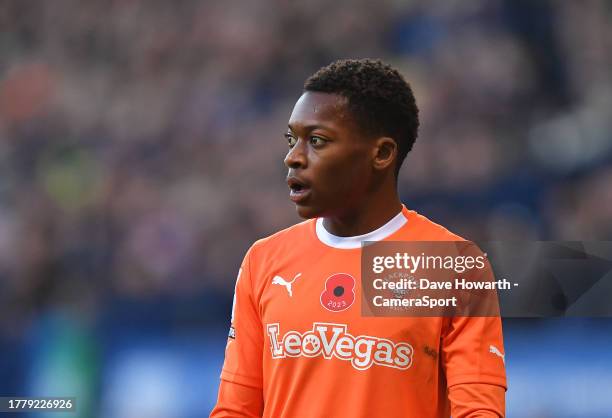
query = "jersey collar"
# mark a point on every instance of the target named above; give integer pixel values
(379, 234)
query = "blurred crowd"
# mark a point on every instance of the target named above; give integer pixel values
(141, 142)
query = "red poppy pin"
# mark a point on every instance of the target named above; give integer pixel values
(339, 292)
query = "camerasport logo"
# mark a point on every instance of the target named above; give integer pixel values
(339, 292)
(333, 340)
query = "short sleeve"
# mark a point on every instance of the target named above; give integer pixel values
(243, 353)
(473, 351)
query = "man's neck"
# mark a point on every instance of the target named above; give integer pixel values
(368, 217)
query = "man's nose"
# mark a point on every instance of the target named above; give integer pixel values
(296, 157)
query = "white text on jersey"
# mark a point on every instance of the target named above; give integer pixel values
(333, 340)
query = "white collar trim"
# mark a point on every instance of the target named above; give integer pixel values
(379, 234)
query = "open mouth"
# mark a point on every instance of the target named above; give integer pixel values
(298, 189)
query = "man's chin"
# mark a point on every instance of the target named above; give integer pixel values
(307, 212)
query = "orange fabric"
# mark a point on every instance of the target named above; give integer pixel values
(236, 400)
(310, 360)
(477, 400)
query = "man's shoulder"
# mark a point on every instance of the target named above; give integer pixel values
(294, 235)
(421, 228)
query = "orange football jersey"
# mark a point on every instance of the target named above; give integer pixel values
(298, 339)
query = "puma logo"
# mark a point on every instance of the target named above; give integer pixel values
(279, 280)
(495, 350)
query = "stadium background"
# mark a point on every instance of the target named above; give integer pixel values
(141, 153)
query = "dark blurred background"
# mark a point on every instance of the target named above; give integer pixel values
(141, 148)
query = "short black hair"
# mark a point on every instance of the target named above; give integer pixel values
(379, 98)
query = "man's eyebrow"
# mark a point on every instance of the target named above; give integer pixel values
(311, 127)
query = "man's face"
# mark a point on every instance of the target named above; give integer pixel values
(329, 159)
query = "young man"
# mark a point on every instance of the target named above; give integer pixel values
(298, 344)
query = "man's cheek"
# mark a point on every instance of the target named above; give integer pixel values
(340, 179)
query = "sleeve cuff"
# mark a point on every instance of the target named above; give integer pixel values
(477, 378)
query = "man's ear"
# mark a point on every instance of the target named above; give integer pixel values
(385, 153)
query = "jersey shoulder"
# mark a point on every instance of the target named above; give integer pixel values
(294, 236)
(422, 228)
(268, 254)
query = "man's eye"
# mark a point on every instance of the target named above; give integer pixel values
(291, 140)
(317, 141)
